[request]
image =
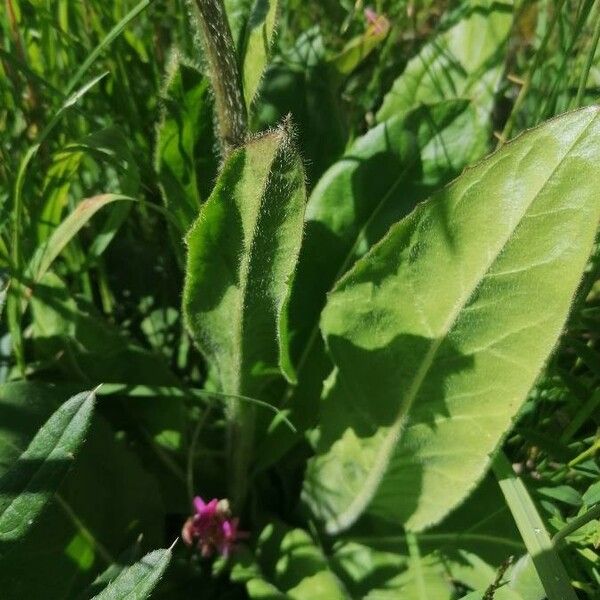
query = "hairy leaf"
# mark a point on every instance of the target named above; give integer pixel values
(380, 179)
(242, 252)
(440, 331)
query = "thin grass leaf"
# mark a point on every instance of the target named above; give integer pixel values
(539, 545)
(110, 37)
(67, 230)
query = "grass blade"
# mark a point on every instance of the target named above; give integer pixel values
(110, 37)
(533, 531)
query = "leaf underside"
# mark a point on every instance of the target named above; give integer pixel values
(427, 384)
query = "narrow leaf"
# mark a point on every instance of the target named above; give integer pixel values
(552, 572)
(67, 230)
(31, 482)
(185, 146)
(440, 331)
(260, 34)
(137, 581)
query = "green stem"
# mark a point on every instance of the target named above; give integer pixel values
(588, 453)
(224, 72)
(242, 423)
(415, 559)
(576, 524)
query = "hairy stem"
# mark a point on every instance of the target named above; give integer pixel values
(224, 73)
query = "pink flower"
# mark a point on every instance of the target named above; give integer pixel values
(212, 528)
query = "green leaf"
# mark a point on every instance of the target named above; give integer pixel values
(104, 504)
(33, 479)
(467, 548)
(379, 180)
(464, 61)
(543, 553)
(439, 332)
(185, 147)
(289, 565)
(370, 573)
(260, 35)
(66, 231)
(137, 581)
(592, 494)
(242, 253)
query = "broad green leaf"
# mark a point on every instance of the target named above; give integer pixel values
(439, 332)
(242, 251)
(67, 230)
(466, 548)
(137, 581)
(321, 586)
(31, 482)
(379, 180)
(260, 35)
(426, 580)
(464, 61)
(369, 573)
(185, 157)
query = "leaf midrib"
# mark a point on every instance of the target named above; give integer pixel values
(314, 333)
(244, 277)
(377, 471)
(27, 484)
